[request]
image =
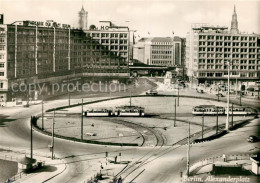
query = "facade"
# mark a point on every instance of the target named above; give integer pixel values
(162, 51)
(114, 38)
(210, 49)
(36, 52)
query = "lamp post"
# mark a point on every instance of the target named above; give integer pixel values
(52, 143)
(42, 115)
(188, 152)
(82, 119)
(227, 119)
(174, 113)
(202, 124)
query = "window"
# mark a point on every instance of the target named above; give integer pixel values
(2, 40)
(2, 73)
(2, 65)
(1, 85)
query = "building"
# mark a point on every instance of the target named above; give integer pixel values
(209, 49)
(163, 51)
(114, 38)
(46, 52)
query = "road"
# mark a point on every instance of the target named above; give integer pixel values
(157, 164)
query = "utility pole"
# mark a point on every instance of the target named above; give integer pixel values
(68, 90)
(240, 96)
(131, 98)
(53, 121)
(217, 122)
(258, 92)
(232, 118)
(42, 115)
(178, 96)
(218, 93)
(188, 152)
(82, 119)
(32, 118)
(174, 113)
(202, 126)
(227, 119)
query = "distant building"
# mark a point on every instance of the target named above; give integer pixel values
(163, 51)
(83, 19)
(209, 48)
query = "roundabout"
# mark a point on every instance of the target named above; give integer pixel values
(157, 128)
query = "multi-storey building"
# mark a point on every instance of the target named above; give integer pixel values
(210, 50)
(35, 52)
(164, 51)
(113, 38)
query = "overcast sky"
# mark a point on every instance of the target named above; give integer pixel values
(159, 17)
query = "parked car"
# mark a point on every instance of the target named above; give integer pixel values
(152, 92)
(219, 95)
(252, 138)
(91, 134)
(199, 90)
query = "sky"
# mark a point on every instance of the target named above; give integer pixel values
(159, 17)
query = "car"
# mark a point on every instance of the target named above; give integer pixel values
(199, 90)
(219, 95)
(252, 138)
(152, 92)
(181, 83)
(91, 134)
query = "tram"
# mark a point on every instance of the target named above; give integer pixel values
(208, 110)
(241, 111)
(213, 110)
(98, 112)
(129, 111)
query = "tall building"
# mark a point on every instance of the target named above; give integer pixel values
(114, 38)
(164, 51)
(83, 19)
(210, 48)
(40, 52)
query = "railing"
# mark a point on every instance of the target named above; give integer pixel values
(212, 160)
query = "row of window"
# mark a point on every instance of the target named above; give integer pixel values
(211, 74)
(161, 52)
(161, 56)
(163, 62)
(243, 67)
(162, 47)
(107, 35)
(227, 44)
(234, 38)
(234, 61)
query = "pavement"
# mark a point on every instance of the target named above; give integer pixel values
(50, 169)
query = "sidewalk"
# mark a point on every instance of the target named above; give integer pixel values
(51, 168)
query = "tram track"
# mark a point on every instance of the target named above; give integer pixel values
(145, 132)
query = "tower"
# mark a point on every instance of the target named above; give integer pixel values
(234, 23)
(83, 19)
(1, 19)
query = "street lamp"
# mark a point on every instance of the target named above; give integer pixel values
(188, 152)
(228, 97)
